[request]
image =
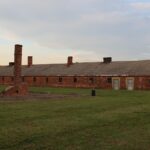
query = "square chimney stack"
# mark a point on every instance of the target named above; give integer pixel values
(107, 60)
(30, 61)
(70, 61)
(11, 64)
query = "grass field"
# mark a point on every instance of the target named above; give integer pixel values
(113, 120)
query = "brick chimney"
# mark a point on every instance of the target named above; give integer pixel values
(11, 64)
(107, 60)
(30, 61)
(18, 88)
(70, 61)
(17, 66)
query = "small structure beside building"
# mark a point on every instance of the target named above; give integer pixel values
(108, 74)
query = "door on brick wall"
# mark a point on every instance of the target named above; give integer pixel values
(130, 83)
(116, 84)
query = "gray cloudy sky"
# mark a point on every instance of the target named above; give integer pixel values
(50, 30)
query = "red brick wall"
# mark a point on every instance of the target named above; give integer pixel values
(7, 80)
(123, 83)
(28, 80)
(81, 81)
(145, 82)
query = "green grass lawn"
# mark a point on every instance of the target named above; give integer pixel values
(2, 88)
(113, 120)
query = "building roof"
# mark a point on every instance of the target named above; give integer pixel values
(116, 68)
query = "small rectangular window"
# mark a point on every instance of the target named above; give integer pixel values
(74, 79)
(22, 79)
(3, 78)
(60, 79)
(34, 79)
(91, 79)
(109, 80)
(148, 80)
(12, 79)
(47, 80)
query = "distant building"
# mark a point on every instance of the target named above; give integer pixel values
(108, 74)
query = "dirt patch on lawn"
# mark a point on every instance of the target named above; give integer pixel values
(40, 96)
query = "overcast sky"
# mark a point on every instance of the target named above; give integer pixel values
(51, 30)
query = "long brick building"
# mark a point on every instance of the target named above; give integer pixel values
(108, 74)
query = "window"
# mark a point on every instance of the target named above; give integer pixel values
(34, 79)
(148, 80)
(91, 79)
(47, 80)
(74, 79)
(109, 80)
(60, 79)
(22, 79)
(12, 79)
(3, 79)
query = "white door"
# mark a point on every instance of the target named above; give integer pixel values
(116, 84)
(130, 84)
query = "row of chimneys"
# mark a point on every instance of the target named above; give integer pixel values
(106, 60)
(69, 62)
(30, 62)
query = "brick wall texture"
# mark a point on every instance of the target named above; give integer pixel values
(102, 82)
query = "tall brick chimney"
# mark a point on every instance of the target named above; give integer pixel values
(17, 66)
(70, 61)
(30, 61)
(18, 88)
